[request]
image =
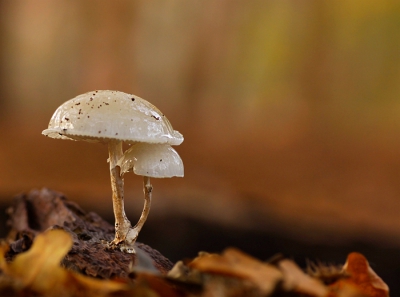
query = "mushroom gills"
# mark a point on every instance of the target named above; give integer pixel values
(152, 160)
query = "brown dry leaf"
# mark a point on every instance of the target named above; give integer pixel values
(156, 284)
(235, 263)
(362, 277)
(294, 279)
(95, 287)
(3, 250)
(346, 290)
(39, 269)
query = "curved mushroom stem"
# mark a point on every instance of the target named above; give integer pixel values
(134, 232)
(122, 224)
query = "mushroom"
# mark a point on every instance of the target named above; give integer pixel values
(113, 117)
(149, 160)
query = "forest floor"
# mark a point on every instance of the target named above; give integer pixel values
(47, 229)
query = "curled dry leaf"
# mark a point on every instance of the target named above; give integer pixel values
(157, 284)
(235, 263)
(179, 271)
(182, 273)
(294, 279)
(346, 290)
(362, 277)
(39, 269)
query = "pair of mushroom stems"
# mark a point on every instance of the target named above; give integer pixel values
(125, 234)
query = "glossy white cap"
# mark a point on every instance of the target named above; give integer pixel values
(101, 116)
(152, 160)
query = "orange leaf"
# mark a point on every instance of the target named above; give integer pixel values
(362, 277)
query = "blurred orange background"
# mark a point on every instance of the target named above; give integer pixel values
(290, 109)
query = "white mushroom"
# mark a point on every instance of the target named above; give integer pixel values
(113, 117)
(149, 160)
(152, 160)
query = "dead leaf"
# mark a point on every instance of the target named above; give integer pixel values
(362, 277)
(346, 290)
(3, 250)
(235, 263)
(294, 279)
(39, 269)
(157, 284)
(183, 274)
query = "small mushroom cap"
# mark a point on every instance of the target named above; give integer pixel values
(101, 116)
(153, 160)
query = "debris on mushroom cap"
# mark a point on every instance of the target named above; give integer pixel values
(100, 116)
(153, 160)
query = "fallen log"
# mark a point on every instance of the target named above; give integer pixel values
(41, 210)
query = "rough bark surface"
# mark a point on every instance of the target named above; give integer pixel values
(40, 210)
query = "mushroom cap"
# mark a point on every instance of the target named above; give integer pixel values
(102, 116)
(153, 160)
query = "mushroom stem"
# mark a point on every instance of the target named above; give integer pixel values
(147, 189)
(134, 232)
(122, 224)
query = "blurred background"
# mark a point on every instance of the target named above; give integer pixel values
(290, 112)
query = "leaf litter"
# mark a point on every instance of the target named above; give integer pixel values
(37, 272)
(38, 263)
